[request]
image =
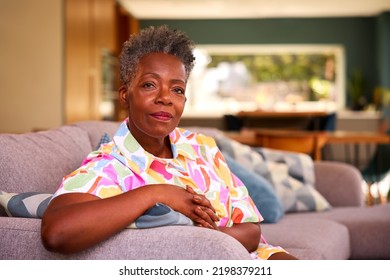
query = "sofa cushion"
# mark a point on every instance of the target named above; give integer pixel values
(369, 230)
(38, 161)
(260, 190)
(309, 239)
(291, 174)
(368, 227)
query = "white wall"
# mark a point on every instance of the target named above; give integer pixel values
(31, 65)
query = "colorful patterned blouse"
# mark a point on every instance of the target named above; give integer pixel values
(123, 165)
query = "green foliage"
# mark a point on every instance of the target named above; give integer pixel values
(355, 86)
(283, 67)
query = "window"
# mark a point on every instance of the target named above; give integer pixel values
(230, 78)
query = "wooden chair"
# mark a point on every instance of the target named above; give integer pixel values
(308, 142)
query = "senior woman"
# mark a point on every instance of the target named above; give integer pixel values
(151, 160)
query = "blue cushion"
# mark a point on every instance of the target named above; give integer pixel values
(161, 215)
(260, 190)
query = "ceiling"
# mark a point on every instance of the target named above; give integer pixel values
(219, 9)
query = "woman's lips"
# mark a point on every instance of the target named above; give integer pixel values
(162, 116)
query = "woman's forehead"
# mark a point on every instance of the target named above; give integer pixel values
(161, 63)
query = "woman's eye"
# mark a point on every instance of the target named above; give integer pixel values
(179, 90)
(147, 85)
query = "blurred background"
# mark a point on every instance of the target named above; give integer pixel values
(59, 57)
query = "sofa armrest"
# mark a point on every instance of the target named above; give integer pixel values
(21, 240)
(169, 243)
(340, 183)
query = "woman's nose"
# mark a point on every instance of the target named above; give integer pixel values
(164, 96)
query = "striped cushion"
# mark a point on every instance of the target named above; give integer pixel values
(26, 205)
(34, 204)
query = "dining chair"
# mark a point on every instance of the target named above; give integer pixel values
(378, 166)
(308, 142)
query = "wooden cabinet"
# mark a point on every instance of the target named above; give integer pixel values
(93, 33)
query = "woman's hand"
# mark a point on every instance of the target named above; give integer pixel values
(248, 234)
(205, 210)
(193, 205)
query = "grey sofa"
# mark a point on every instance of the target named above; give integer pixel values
(38, 161)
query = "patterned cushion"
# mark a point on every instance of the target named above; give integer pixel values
(26, 205)
(103, 140)
(291, 174)
(34, 204)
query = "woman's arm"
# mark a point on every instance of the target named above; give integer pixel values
(248, 234)
(76, 221)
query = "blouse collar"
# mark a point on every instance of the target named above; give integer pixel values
(183, 142)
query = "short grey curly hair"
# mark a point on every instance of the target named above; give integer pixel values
(153, 40)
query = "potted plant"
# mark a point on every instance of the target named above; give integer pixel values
(355, 88)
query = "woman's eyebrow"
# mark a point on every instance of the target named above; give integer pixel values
(175, 80)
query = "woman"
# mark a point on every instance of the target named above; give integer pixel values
(152, 161)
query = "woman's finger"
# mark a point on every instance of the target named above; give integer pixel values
(211, 214)
(205, 217)
(200, 199)
(190, 190)
(203, 201)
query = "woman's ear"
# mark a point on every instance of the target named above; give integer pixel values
(123, 96)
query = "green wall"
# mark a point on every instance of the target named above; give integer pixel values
(383, 49)
(358, 35)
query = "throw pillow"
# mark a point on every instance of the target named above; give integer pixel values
(34, 204)
(26, 205)
(260, 190)
(103, 140)
(291, 174)
(161, 215)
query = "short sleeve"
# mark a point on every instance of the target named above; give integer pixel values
(101, 175)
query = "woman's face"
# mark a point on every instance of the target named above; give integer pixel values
(155, 98)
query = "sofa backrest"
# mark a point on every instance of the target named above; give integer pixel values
(38, 161)
(96, 129)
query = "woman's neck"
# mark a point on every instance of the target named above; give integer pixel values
(161, 150)
(159, 147)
